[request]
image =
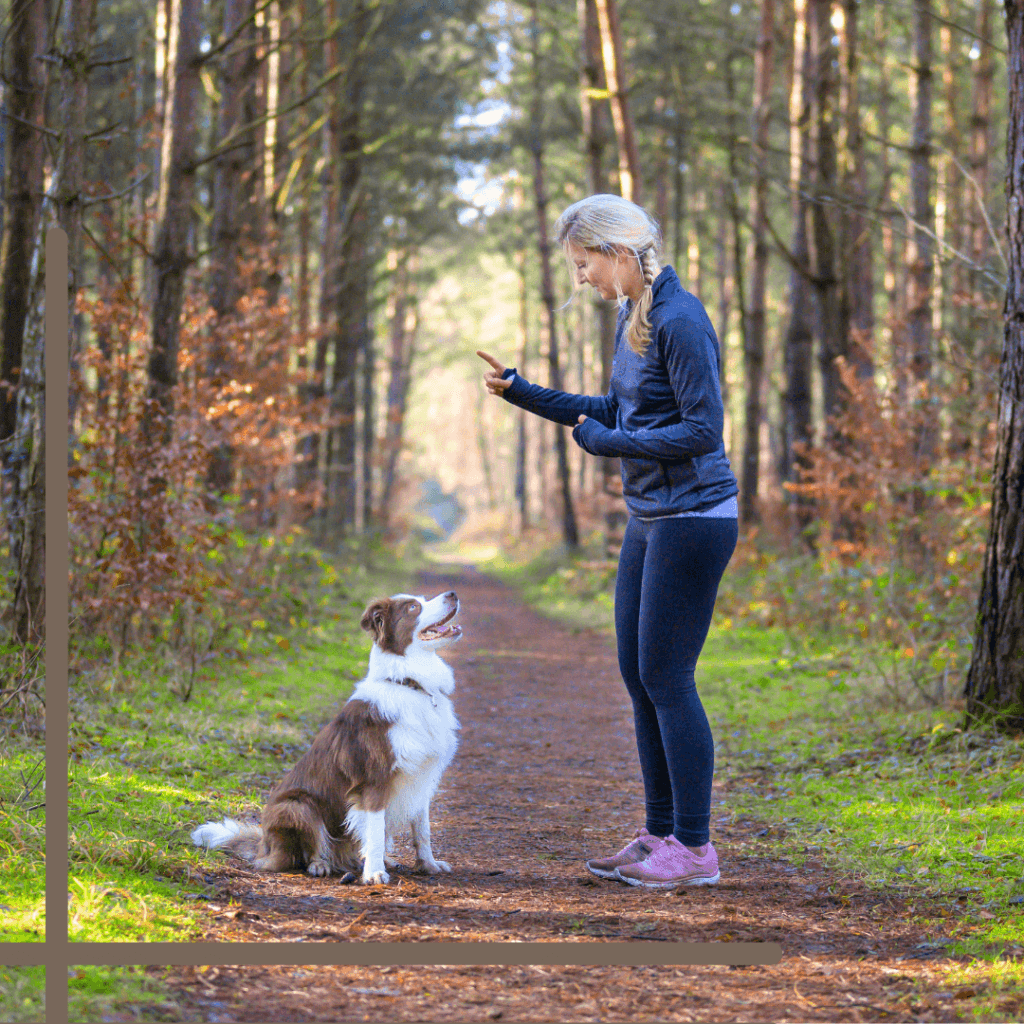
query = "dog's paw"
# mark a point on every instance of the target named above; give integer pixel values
(433, 867)
(376, 878)
(318, 868)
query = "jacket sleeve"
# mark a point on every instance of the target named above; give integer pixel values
(691, 360)
(558, 406)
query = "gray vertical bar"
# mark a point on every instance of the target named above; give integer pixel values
(56, 605)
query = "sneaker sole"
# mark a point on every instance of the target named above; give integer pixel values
(603, 872)
(700, 880)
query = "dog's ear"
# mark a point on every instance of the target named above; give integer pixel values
(375, 617)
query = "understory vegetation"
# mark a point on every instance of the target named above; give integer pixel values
(22, 794)
(21, 994)
(167, 734)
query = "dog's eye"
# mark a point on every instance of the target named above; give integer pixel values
(413, 609)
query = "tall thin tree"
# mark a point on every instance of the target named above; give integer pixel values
(995, 680)
(798, 340)
(171, 256)
(26, 79)
(630, 180)
(753, 350)
(570, 532)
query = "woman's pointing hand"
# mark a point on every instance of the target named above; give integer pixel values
(492, 379)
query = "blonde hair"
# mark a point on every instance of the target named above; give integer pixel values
(611, 225)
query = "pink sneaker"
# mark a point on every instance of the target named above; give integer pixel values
(642, 846)
(672, 864)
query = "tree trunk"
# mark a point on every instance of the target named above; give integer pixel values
(368, 438)
(26, 509)
(753, 351)
(978, 331)
(569, 530)
(233, 176)
(798, 342)
(171, 256)
(736, 219)
(921, 256)
(890, 250)
(404, 325)
(351, 298)
(630, 179)
(69, 179)
(855, 251)
(521, 487)
(831, 334)
(953, 236)
(24, 189)
(309, 446)
(595, 135)
(995, 680)
(724, 303)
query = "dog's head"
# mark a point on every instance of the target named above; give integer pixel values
(405, 621)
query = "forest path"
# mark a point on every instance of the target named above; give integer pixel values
(545, 776)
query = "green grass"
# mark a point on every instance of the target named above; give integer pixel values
(841, 766)
(147, 767)
(22, 840)
(96, 992)
(22, 994)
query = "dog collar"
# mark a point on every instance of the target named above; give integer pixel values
(413, 685)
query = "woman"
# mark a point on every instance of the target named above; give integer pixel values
(663, 417)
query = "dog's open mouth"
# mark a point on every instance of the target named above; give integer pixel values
(439, 631)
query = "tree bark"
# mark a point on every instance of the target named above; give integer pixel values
(595, 135)
(736, 217)
(570, 532)
(26, 510)
(24, 193)
(831, 333)
(171, 257)
(995, 681)
(753, 350)
(404, 326)
(521, 485)
(69, 178)
(980, 340)
(921, 257)
(855, 259)
(798, 342)
(630, 179)
(352, 284)
(309, 446)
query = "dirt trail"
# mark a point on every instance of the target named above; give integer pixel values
(546, 775)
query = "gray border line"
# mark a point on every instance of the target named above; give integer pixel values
(58, 954)
(323, 954)
(57, 629)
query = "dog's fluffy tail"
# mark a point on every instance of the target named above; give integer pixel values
(234, 837)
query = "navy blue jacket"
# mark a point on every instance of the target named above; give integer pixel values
(663, 413)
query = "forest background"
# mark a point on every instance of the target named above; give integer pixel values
(293, 222)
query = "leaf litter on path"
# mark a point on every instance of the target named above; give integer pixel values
(546, 776)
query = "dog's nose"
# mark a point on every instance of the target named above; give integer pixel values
(451, 594)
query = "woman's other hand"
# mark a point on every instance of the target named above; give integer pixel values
(492, 379)
(581, 419)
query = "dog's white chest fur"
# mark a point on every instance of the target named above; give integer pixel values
(423, 737)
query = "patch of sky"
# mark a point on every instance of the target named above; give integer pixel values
(487, 115)
(478, 187)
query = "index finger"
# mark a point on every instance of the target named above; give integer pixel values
(494, 362)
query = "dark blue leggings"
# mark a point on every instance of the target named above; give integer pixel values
(669, 571)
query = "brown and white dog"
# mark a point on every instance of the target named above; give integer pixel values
(372, 771)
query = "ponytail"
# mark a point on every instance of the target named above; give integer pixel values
(638, 329)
